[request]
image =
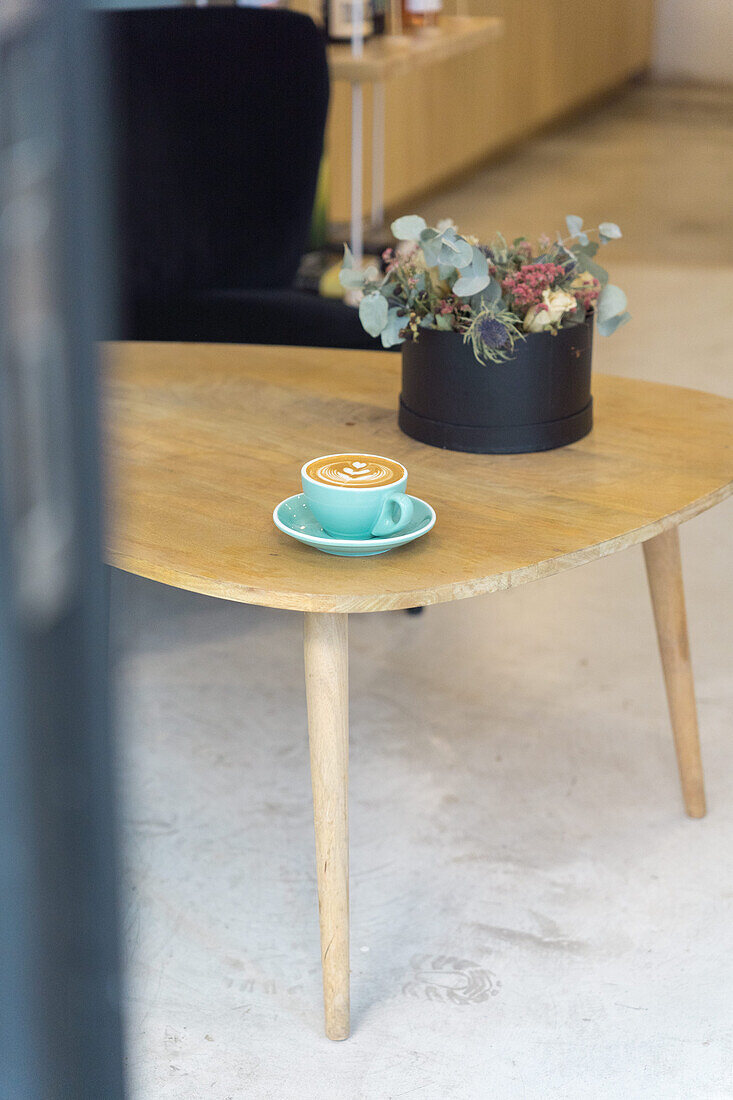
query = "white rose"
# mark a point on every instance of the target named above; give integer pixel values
(536, 319)
(558, 302)
(550, 311)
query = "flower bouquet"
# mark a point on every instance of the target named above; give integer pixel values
(496, 338)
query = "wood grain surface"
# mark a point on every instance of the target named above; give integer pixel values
(326, 652)
(664, 570)
(204, 440)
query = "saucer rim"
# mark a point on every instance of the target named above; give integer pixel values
(331, 540)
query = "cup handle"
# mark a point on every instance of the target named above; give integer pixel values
(386, 523)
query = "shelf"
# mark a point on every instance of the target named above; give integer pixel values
(393, 55)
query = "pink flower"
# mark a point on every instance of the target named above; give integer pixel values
(586, 290)
(525, 287)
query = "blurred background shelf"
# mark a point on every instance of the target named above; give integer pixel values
(447, 114)
(388, 56)
(371, 64)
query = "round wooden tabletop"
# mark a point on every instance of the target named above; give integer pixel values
(204, 440)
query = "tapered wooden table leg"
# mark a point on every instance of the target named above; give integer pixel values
(327, 691)
(664, 570)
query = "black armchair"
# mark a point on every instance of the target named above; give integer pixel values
(219, 118)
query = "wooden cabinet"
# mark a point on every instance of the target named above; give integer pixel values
(444, 118)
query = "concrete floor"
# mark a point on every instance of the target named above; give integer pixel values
(656, 159)
(532, 914)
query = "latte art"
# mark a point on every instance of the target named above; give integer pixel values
(355, 471)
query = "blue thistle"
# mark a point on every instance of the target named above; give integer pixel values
(493, 333)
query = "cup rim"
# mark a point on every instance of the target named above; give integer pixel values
(358, 488)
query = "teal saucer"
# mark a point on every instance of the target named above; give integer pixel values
(293, 517)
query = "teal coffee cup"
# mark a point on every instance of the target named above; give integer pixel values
(355, 496)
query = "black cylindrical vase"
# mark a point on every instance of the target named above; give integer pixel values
(537, 400)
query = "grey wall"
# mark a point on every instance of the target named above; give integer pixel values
(694, 40)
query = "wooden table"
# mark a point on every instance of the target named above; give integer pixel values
(204, 440)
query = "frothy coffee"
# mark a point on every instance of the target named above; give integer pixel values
(355, 471)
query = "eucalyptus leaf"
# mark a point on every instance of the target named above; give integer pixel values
(468, 285)
(444, 322)
(373, 312)
(610, 231)
(455, 249)
(474, 278)
(443, 255)
(611, 303)
(391, 332)
(588, 249)
(457, 252)
(427, 321)
(432, 250)
(593, 269)
(490, 295)
(351, 279)
(409, 227)
(349, 276)
(583, 238)
(574, 224)
(608, 327)
(447, 253)
(493, 292)
(479, 263)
